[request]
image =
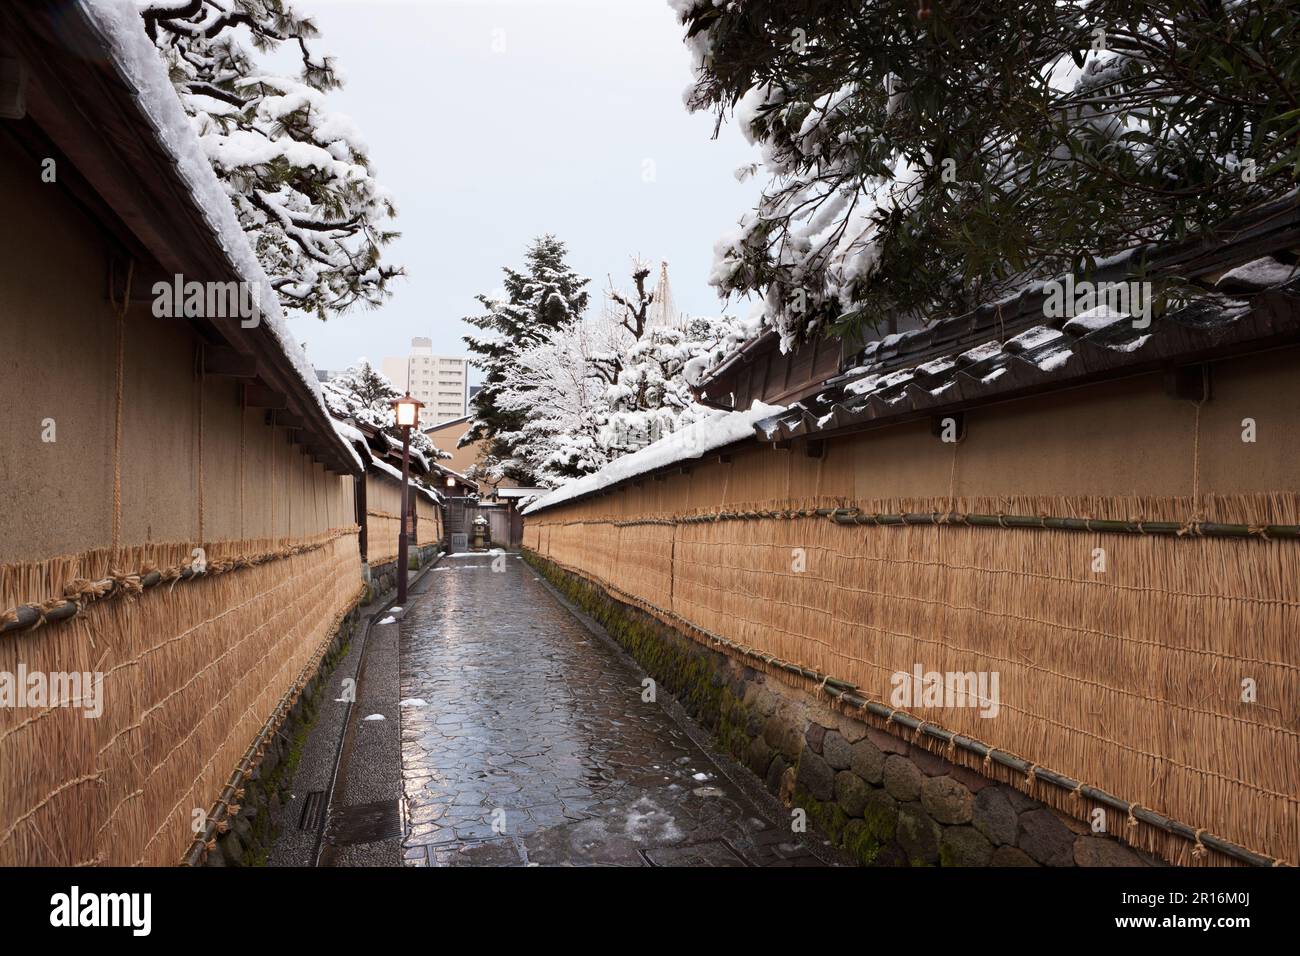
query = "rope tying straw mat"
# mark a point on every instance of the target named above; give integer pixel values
(1129, 680)
(190, 674)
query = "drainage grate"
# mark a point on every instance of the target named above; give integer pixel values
(313, 805)
(366, 823)
(710, 853)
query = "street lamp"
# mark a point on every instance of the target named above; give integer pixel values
(407, 412)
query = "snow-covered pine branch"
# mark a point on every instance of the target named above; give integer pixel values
(925, 164)
(297, 173)
(364, 396)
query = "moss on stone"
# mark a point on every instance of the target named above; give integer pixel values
(829, 818)
(259, 791)
(881, 821)
(693, 675)
(860, 843)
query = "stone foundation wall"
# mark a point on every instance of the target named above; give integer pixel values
(881, 799)
(252, 834)
(382, 578)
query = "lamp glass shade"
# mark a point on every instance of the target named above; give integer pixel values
(451, 482)
(407, 410)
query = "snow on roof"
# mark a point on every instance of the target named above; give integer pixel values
(981, 352)
(1033, 338)
(122, 29)
(455, 474)
(388, 469)
(1097, 318)
(715, 430)
(452, 421)
(349, 431)
(519, 492)
(350, 434)
(1258, 274)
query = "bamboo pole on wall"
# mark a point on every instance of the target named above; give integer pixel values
(1128, 680)
(188, 673)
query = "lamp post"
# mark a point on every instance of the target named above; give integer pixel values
(407, 412)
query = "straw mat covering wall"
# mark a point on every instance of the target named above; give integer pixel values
(383, 518)
(428, 527)
(191, 669)
(382, 532)
(1128, 679)
(383, 524)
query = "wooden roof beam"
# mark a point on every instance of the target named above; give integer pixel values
(226, 362)
(282, 419)
(257, 395)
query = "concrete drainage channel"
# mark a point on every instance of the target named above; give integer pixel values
(341, 812)
(356, 830)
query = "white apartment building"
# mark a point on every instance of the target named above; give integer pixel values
(440, 381)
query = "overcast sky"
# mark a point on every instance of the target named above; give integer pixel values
(492, 121)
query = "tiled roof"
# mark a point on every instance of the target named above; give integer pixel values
(938, 369)
(1242, 284)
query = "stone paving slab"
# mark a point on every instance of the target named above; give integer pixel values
(525, 741)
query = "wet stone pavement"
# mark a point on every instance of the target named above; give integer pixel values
(525, 741)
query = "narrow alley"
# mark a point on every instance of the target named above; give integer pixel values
(526, 740)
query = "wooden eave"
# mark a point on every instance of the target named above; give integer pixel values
(88, 110)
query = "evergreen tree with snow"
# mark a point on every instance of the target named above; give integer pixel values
(581, 395)
(543, 297)
(925, 157)
(562, 402)
(365, 396)
(297, 173)
(650, 396)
